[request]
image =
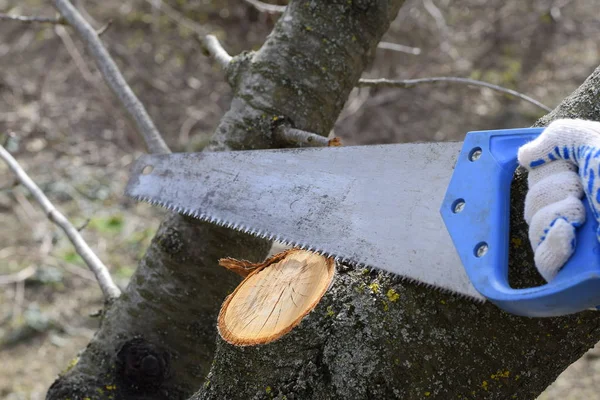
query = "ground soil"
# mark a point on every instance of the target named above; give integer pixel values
(72, 138)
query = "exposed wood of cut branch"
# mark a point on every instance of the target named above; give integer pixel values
(113, 77)
(108, 287)
(243, 267)
(274, 297)
(408, 83)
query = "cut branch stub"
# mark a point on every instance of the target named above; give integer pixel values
(334, 142)
(274, 297)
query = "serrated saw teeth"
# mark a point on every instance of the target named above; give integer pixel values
(286, 242)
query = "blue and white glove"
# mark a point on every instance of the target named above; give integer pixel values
(563, 164)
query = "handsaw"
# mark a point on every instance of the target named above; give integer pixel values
(433, 213)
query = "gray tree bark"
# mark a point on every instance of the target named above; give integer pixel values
(157, 340)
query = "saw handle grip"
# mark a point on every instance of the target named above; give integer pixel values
(476, 211)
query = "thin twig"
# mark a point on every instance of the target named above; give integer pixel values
(46, 20)
(208, 42)
(437, 15)
(80, 5)
(105, 96)
(104, 28)
(80, 272)
(301, 138)
(114, 78)
(179, 18)
(18, 300)
(407, 83)
(216, 51)
(80, 63)
(32, 20)
(20, 276)
(108, 287)
(267, 8)
(155, 14)
(399, 47)
(442, 26)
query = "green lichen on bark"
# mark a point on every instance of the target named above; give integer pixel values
(358, 344)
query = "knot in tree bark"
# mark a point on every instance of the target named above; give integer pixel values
(362, 5)
(237, 67)
(142, 366)
(169, 241)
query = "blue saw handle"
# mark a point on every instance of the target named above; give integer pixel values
(476, 211)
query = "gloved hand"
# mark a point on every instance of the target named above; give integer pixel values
(553, 206)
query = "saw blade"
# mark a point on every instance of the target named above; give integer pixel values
(367, 206)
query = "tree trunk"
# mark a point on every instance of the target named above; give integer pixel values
(157, 340)
(375, 337)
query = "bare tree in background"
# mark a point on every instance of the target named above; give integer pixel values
(371, 336)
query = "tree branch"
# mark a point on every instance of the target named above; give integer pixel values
(300, 138)
(104, 28)
(32, 20)
(399, 47)
(216, 51)
(114, 78)
(440, 22)
(210, 44)
(265, 7)
(108, 287)
(18, 276)
(179, 18)
(408, 83)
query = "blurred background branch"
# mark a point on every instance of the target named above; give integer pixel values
(265, 7)
(209, 43)
(108, 287)
(113, 77)
(32, 20)
(408, 83)
(399, 47)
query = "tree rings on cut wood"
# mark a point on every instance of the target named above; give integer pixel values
(274, 296)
